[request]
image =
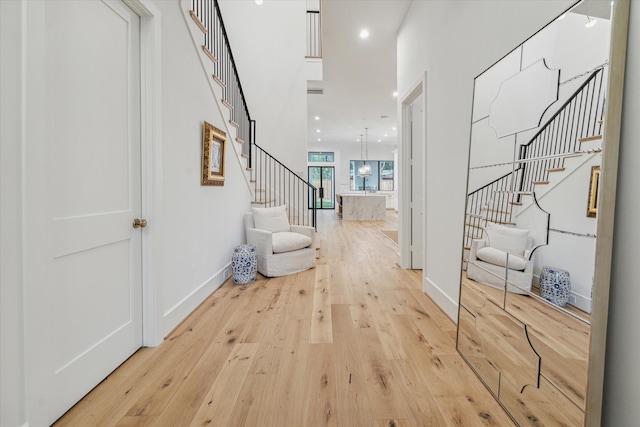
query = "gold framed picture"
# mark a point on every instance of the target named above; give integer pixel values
(592, 206)
(213, 149)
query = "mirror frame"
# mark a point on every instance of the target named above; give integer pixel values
(605, 216)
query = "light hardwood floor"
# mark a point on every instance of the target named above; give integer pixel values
(354, 342)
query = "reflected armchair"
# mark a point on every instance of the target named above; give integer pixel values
(281, 248)
(488, 258)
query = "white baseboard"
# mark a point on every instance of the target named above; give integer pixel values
(446, 304)
(180, 311)
(581, 302)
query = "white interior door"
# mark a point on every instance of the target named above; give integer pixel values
(93, 122)
(417, 182)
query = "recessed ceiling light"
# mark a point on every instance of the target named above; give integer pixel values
(319, 139)
(258, 2)
(317, 117)
(395, 94)
(379, 140)
(364, 33)
(317, 130)
(385, 135)
(393, 128)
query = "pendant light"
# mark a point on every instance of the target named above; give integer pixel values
(364, 170)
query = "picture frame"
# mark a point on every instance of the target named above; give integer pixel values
(213, 155)
(592, 206)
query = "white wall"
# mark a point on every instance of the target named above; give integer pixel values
(454, 42)
(194, 228)
(269, 45)
(199, 224)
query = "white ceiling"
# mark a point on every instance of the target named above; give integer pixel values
(359, 76)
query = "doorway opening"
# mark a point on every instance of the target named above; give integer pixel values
(412, 188)
(323, 178)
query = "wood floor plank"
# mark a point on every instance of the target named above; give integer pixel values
(320, 388)
(177, 366)
(393, 423)
(392, 341)
(449, 379)
(422, 404)
(251, 399)
(321, 314)
(353, 406)
(283, 407)
(138, 420)
(182, 407)
(387, 401)
(221, 397)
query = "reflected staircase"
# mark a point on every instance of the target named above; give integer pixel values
(575, 130)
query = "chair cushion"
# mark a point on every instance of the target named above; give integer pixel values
(497, 257)
(273, 219)
(288, 241)
(507, 239)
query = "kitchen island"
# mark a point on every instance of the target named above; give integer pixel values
(362, 206)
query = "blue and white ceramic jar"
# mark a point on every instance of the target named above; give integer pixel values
(244, 264)
(555, 285)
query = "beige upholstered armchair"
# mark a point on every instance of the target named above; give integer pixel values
(489, 263)
(281, 248)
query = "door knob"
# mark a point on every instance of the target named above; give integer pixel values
(139, 223)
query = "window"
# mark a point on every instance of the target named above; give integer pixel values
(386, 175)
(381, 179)
(319, 156)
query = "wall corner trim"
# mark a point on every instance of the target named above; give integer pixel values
(446, 304)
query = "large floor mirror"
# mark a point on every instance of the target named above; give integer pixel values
(539, 217)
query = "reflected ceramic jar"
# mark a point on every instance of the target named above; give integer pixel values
(555, 285)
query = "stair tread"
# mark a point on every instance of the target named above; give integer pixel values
(199, 23)
(246, 156)
(220, 82)
(227, 104)
(239, 141)
(590, 138)
(511, 192)
(249, 169)
(501, 222)
(540, 182)
(555, 170)
(207, 52)
(474, 226)
(516, 203)
(234, 124)
(494, 210)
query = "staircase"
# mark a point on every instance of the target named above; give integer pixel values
(272, 183)
(575, 130)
